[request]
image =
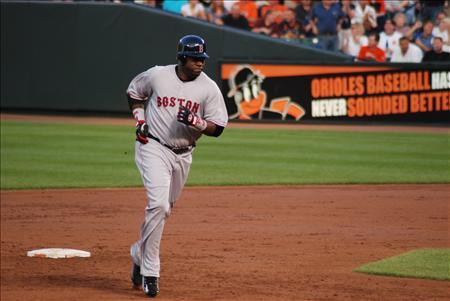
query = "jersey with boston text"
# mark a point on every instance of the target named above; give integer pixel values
(165, 93)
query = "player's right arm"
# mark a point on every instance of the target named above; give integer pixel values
(138, 93)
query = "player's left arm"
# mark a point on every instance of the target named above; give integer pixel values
(214, 118)
(213, 129)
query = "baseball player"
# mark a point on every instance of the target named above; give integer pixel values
(173, 106)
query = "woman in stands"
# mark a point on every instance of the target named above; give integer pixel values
(352, 44)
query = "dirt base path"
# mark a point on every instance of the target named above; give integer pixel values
(235, 243)
(290, 126)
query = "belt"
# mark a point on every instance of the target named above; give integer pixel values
(176, 150)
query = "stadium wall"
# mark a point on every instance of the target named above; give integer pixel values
(82, 56)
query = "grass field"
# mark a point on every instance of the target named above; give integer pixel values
(44, 155)
(425, 263)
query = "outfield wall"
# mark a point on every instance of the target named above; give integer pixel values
(81, 57)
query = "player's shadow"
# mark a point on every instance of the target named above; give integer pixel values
(107, 284)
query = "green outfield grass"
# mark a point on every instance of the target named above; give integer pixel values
(425, 263)
(41, 155)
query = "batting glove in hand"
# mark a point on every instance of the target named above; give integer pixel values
(187, 117)
(142, 132)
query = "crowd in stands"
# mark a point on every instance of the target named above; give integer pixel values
(368, 30)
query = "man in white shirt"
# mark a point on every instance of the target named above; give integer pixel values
(407, 52)
(389, 38)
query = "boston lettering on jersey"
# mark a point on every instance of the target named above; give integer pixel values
(166, 101)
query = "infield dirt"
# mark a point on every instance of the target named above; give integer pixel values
(225, 243)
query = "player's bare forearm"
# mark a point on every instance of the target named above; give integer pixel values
(212, 129)
(137, 106)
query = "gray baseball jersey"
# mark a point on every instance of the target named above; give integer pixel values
(164, 172)
(166, 92)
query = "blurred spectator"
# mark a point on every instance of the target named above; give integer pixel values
(228, 4)
(401, 6)
(443, 27)
(389, 38)
(352, 43)
(151, 3)
(193, 9)
(215, 12)
(380, 9)
(396, 6)
(267, 25)
(274, 5)
(401, 26)
(372, 52)
(344, 32)
(235, 19)
(415, 29)
(429, 9)
(290, 29)
(303, 13)
(365, 14)
(407, 52)
(437, 54)
(174, 5)
(423, 39)
(206, 3)
(325, 17)
(249, 10)
(292, 4)
(440, 16)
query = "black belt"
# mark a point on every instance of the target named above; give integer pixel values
(176, 150)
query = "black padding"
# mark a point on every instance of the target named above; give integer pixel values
(218, 131)
(132, 101)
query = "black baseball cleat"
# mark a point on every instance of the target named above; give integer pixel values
(150, 286)
(136, 276)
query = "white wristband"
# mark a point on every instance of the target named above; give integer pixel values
(199, 124)
(139, 114)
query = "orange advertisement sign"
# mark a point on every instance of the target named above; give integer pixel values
(336, 92)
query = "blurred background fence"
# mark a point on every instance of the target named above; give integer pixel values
(81, 56)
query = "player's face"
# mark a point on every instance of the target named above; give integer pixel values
(194, 66)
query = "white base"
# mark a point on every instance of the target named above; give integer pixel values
(58, 253)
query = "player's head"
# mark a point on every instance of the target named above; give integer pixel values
(191, 55)
(191, 46)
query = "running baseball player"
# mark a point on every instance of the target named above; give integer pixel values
(173, 106)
